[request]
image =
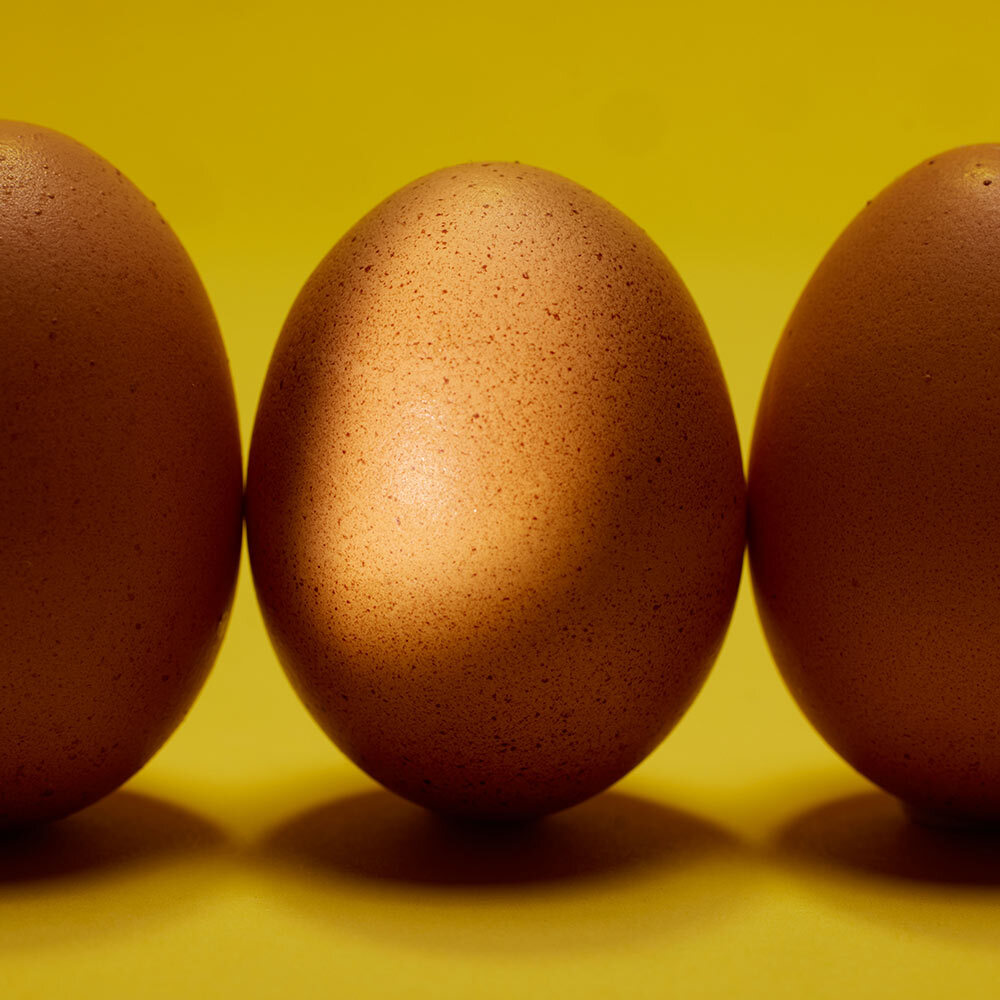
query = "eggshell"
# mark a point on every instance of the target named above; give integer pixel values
(120, 478)
(495, 501)
(875, 490)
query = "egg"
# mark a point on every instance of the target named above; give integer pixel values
(120, 479)
(873, 491)
(495, 499)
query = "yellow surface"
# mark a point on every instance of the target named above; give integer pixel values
(743, 859)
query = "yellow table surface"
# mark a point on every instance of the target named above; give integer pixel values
(743, 858)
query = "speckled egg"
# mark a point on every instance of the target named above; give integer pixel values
(495, 502)
(875, 491)
(120, 478)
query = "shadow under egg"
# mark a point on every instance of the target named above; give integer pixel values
(613, 867)
(126, 829)
(867, 856)
(873, 834)
(378, 835)
(124, 860)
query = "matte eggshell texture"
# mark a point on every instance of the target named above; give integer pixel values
(875, 490)
(495, 503)
(119, 478)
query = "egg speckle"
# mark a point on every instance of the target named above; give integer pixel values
(495, 503)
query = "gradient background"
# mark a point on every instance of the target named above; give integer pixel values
(743, 858)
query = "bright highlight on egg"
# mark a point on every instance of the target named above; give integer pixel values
(495, 501)
(874, 491)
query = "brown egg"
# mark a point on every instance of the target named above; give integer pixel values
(875, 490)
(119, 481)
(495, 502)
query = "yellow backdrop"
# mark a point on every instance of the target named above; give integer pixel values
(743, 858)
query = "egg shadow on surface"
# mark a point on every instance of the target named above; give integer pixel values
(610, 868)
(128, 857)
(871, 834)
(864, 853)
(377, 835)
(126, 829)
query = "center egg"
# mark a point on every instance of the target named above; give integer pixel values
(495, 503)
